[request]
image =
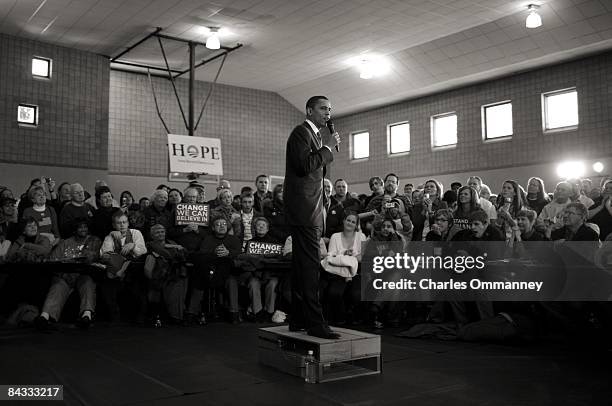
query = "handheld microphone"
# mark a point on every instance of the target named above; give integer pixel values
(332, 129)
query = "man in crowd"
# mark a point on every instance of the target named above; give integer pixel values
(75, 209)
(247, 214)
(391, 186)
(262, 183)
(119, 248)
(343, 197)
(333, 210)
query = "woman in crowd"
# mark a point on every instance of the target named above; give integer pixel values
(467, 202)
(126, 199)
(159, 212)
(175, 197)
(432, 199)
(28, 283)
(536, 197)
(510, 201)
(349, 243)
(144, 202)
(86, 248)
(261, 311)
(226, 210)
(31, 246)
(45, 215)
(274, 211)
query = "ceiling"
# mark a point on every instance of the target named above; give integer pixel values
(300, 48)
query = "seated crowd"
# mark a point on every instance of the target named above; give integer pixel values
(131, 260)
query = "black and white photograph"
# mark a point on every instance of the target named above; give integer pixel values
(331, 202)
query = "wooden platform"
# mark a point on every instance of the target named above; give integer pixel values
(354, 354)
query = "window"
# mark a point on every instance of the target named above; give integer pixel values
(497, 120)
(398, 139)
(444, 130)
(360, 144)
(560, 110)
(41, 67)
(27, 114)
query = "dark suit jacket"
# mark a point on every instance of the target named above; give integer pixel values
(304, 173)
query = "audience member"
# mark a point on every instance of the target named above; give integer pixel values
(262, 183)
(45, 215)
(75, 209)
(84, 249)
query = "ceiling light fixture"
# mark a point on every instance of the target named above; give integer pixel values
(213, 39)
(366, 69)
(598, 167)
(533, 19)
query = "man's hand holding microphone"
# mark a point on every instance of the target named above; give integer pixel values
(331, 140)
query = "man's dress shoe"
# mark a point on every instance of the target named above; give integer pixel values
(323, 332)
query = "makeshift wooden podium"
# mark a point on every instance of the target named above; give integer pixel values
(354, 354)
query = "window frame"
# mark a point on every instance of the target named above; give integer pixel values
(544, 97)
(483, 110)
(402, 153)
(36, 115)
(432, 131)
(50, 68)
(352, 145)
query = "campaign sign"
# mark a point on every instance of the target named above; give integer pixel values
(264, 248)
(187, 213)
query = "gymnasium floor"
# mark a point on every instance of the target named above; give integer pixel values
(217, 365)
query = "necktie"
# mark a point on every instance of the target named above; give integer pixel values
(318, 135)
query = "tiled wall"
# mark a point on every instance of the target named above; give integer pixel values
(591, 76)
(253, 126)
(73, 106)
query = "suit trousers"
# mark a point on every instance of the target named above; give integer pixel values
(306, 308)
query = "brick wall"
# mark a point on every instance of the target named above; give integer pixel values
(591, 76)
(73, 106)
(253, 126)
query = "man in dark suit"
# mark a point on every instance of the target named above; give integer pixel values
(308, 153)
